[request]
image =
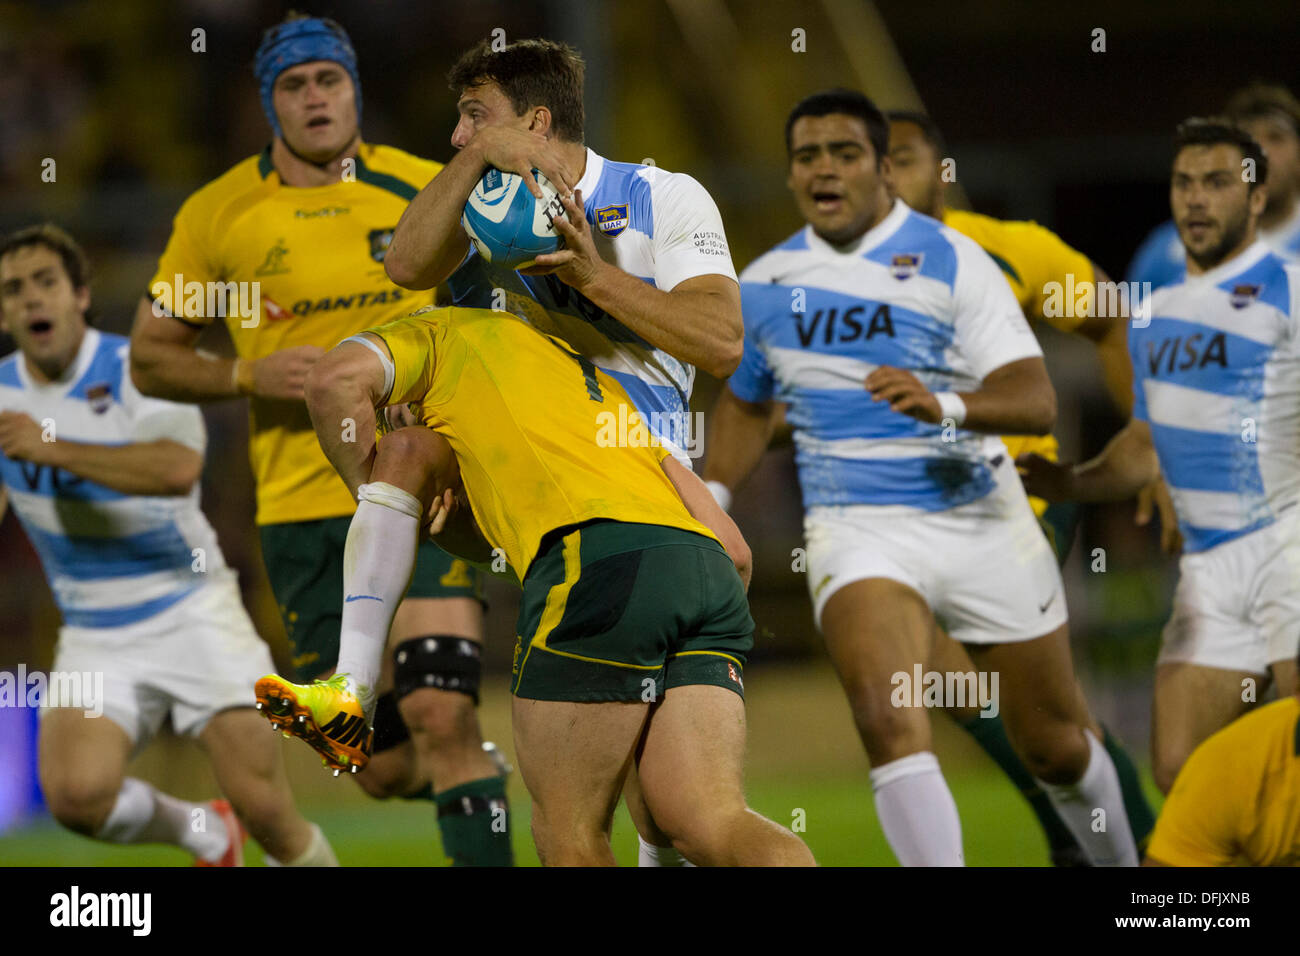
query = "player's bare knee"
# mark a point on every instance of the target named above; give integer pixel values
(81, 804)
(439, 720)
(1055, 753)
(436, 683)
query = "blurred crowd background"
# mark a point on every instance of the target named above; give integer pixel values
(1041, 125)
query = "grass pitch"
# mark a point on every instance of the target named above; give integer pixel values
(805, 767)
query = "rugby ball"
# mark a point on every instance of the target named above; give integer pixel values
(508, 226)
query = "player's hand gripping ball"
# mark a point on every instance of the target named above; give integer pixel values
(507, 224)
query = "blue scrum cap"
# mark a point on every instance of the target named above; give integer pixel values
(302, 41)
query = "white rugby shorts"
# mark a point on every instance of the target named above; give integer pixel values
(191, 660)
(985, 568)
(1237, 605)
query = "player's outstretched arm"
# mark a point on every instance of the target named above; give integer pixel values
(739, 433)
(1123, 468)
(429, 242)
(160, 467)
(343, 390)
(166, 364)
(706, 510)
(1014, 399)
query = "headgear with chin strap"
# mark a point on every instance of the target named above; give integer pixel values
(302, 41)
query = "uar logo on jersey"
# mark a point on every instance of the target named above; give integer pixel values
(611, 220)
(905, 265)
(1243, 295)
(100, 397)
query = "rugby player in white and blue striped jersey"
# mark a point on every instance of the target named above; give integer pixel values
(105, 483)
(901, 354)
(1217, 411)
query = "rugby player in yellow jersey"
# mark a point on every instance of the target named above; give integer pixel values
(633, 629)
(306, 224)
(1030, 258)
(1236, 801)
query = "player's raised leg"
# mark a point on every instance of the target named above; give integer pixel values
(250, 770)
(1049, 727)
(691, 770)
(435, 672)
(876, 628)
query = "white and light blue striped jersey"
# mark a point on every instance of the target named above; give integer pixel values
(1216, 373)
(1162, 260)
(911, 293)
(659, 226)
(111, 559)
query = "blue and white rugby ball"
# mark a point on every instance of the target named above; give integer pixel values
(509, 227)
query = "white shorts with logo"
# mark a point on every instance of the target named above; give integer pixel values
(1237, 605)
(984, 568)
(196, 658)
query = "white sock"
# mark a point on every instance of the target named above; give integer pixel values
(917, 811)
(1098, 789)
(318, 853)
(142, 814)
(378, 561)
(651, 855)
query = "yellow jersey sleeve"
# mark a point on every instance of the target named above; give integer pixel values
(1048, 259)
(1200, 822)
(410, 342)
(1030, 257)
(186, 259)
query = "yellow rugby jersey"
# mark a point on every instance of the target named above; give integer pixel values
(317, 256)
(1030, 257)
(544, 438)
(1237, 799)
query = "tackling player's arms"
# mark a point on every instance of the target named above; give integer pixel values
(350, 383)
